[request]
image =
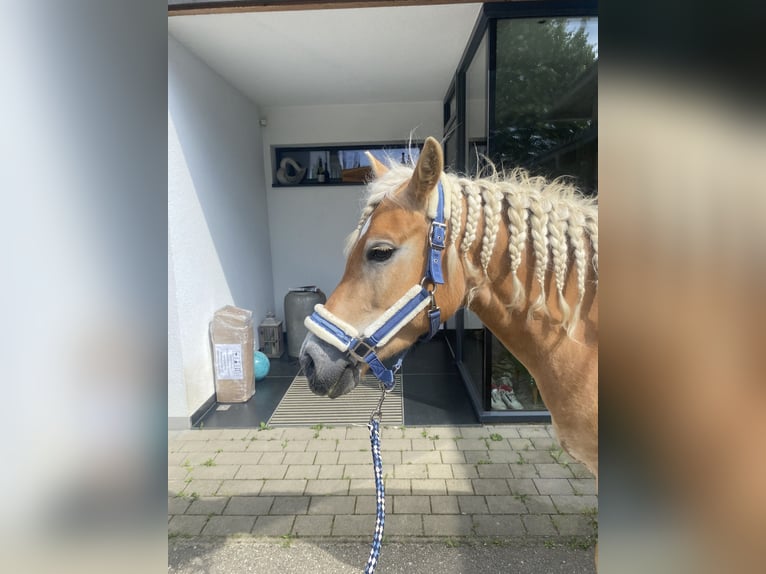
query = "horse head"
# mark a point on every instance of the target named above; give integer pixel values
(387, 263)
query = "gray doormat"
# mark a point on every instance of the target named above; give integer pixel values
(301, 407)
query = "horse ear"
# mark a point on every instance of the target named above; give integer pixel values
(427, 172)
(377, 167)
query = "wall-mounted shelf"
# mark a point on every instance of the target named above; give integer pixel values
(299, 166)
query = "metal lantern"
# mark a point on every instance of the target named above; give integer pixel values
(270, 336)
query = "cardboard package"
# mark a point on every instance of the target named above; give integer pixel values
(231, 339)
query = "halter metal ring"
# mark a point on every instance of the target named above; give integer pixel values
(432, 290)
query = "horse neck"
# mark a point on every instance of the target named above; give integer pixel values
(497, 236)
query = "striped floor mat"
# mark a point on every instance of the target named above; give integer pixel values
(301, 407)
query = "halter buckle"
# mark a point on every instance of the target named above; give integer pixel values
(361, 357)
(436, 238)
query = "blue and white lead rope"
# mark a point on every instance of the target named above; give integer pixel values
(380, 495)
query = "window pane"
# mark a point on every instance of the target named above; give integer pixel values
(546, 97)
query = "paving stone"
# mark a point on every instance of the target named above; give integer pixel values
(389, 458)
(272, 471)
(534, 431)
(490, 486)
(473, 432)
(353, 445)
(401, 444)
(403, 525)
(331, 433)
(299, 458)
(522, 486)
(368, 505)
(445, 444)
(213, 472)
(506, 431)
(465, 471)
(494, 471)
(358, 471)
(290, 505)
(398, 486)
(499, 445)
(447, 525)
(422, 457)
(203, 487)
(265, 446)
(553, 471)
(553, 486)
(439, 470)
(444, 505)
(186, 525)
(326, 458)
(583, 485)
(327, 487)
(355, 458)
(238, 458)
(177, 472)
(176, 487)
(227, 525)
(353, 432)
(524, 470)
(410, 505)
(361, 486)
(177, 504)
(313, 525)
(465, 444)
(302, 471)
(444, 432)
(332, 505)
(580, 470)
(472, 504)
(197, 458)
(541, 457)
(461, 486)
(176, 458)
(429, 486)
(539, 525)
(498, 525)
(545, 443)
(267, 435)
(235, 487)
(574, 525)
(503, 456)
(422, 444)
(355, 525)
(474, 456)
(222, 445)
(273, 525)
(296, 446)
(505, 505)
(540, 505)
(197, 434)
(521, 444)
(414, 432)
(236, 434)
(208, 505)
(318, 445)
(283, 487)
(330, 471)
(298, 433)
(275, 458)
(410, 471)
(453, 457)
(249, 505)
(574, 504)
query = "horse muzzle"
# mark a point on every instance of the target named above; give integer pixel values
(327, 369)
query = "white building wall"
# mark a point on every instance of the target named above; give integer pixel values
(308, 225)
(218, 227)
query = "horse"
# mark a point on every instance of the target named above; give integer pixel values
(520, 251)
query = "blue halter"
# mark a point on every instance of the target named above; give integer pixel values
(362, 347)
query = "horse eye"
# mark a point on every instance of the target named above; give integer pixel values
(380, 254)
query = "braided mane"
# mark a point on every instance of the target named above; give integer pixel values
(560, 224)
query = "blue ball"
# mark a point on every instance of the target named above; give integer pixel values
(262, 365)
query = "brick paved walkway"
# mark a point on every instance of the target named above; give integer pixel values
(495, 481)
